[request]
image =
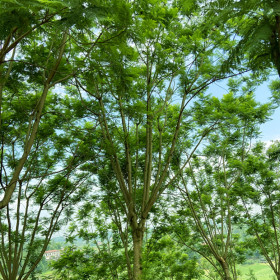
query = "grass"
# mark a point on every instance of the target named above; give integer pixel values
(261, 271)
(46, 275)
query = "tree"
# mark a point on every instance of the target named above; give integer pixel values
(129, 75)
(105, 255)
(43, 44)
(162, 57)
(260, 198)
(17, 25)
(207, 216)
(39, 160)
(254, 29)
(44, 196)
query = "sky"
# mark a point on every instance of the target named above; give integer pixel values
(271, 129)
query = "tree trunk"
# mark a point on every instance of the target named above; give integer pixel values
(137, 254)
(128, 265)
(225, 267)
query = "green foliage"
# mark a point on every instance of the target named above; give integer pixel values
(40, 153)
(103, 105)
(253, 29)
(211, 204)
(164, 259)
(87, 263)
(261, 176)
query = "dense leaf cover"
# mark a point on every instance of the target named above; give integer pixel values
(108, 132)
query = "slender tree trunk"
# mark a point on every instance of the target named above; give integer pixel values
(128, 263)
(137, 253)
(129, 273)
(33, 127)
(226, 270)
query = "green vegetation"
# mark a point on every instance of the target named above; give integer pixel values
(260, 270)
(245, 271)
(110, 134)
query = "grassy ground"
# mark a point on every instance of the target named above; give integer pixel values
(262, 271)
(49, 275)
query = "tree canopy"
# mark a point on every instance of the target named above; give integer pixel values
(107, 123)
